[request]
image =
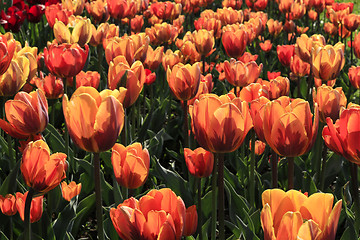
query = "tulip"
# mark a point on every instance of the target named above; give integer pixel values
(342, 137)
(253, 91)
(30, 53)
(210, 24)
(304, 44)
(27, 114)
(160, 214)
(199, 162)
(280, 86)
(318, 82)
(36, 209)
(191, 221)
(273, 75)
(204, 42)
(248, 57)
(150, 77)
(235, 42)
(184, 80)
(351, 22)
(87, 79)
(330, 101)
(239, 74)
(209, 116)
(298, 67)
(354, 76)
(41, 171)
(75, 6)
(154, 57)
(35, 13)
(257, 5)
(162, 33)
(94, 119)
(70, 190)
(98, 10)
(171, 58)
(121, 9)
(78, 30)
(131, 165)
(99, 33)
(122, 75)
(288, 126)
(274, 26)
(56, 11)
(259, 147)
(266, 46)
(15, 76)
(293, 215)
(7, 49)
(327, 61)
(8, 205)
(65, 60)
(356, 45)
(285, 52)
(52, 87)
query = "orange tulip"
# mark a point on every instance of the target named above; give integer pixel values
(65, 60)
(56, 11)
(94, 119)
(70, 190)
(257, 108)
(131, 165)
(36, 208)
(86, 79)
(220, 124)
(122, 75)
(204, 42)
(15, 76)
(121, 9)
(160, 214)
(304, 44)
(27, 114)
(206, 86)
(266, 46)
(191, 221)
(162, 33)
(154, 57)
(274, 26)
(41, 171)
(171, 58)
(98, 34)
(98, 10)
(50, 85)
(184, 80)
(327, 61)
(272, 75)
(235, 4)
(356, 45)
(253, 91)
(343, 136)
(330, 101)
(248, 57)
(8, 204)
(235, 42)
(137, 23)
(259, 147)
(7, 49)
(288, 126)
(75, 6)
(199, 162)
(351, 22)
(210, 24)
(298, 67)
(318, 82)
(280, 86)
(285, 52)
(239, 74)
(293, 215)
(354, 76)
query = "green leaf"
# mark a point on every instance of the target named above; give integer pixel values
(64, 220)
(9, 184)
(84, 209)
(2, 236)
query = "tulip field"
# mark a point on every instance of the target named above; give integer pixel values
(183, 119)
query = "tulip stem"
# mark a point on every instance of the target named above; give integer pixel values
(213, 203)
(199, 209)
(124, 193)
(355, 194)
(252, 170)
(27, 223)
(323, 166)
(274, 169)
(290, 172)
(100, 228)
(221, 196)
(186, 127)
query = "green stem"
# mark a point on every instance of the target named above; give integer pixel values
(11, 228)
(298, 88)
(100, 228)
(274, 169)
(221, 196)
(213, 203)
(323, 166)
(290, 172)
(252, 170)
(12, 160)
(27, 223)
(99, 51)
(186, 127)
(124, 192)
(199, 210)
(355, 194)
